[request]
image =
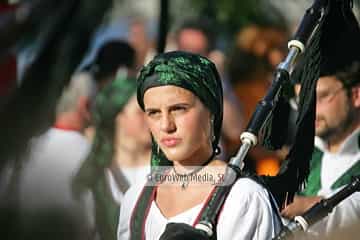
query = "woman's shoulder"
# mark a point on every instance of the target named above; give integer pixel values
(130, 199)
(247, 187)
(135, 190)
(247, 197)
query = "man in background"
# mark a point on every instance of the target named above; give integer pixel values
(55, 156)
(336, 157)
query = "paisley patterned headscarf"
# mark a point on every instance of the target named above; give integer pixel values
(91, 176)
(189, 71)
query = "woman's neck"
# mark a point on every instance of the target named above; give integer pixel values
(198, 159)
(131, 154)
(70, 121)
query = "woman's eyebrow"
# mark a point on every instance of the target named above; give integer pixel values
(151, 109)
(180, 104)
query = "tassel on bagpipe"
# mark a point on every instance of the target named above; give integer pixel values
(268, 118)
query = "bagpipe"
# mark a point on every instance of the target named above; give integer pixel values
(309, 51)
(268, 114)
(268, 121)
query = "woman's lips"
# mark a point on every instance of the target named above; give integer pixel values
(170, 142)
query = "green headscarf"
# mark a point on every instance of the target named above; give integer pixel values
(189, 71)
(91, 176)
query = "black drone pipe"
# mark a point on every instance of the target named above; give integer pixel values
(163, 25)
(318, 211)
(264, 109)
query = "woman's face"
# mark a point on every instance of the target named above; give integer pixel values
(179, 123)
(132, 123)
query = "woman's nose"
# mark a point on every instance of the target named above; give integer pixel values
(167, 123)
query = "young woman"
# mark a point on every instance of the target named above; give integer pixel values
(181, 95)
(120, 153)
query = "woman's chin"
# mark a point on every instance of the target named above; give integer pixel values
(174, 154)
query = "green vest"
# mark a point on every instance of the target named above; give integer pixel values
(314, 180)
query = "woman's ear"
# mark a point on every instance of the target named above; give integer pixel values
(120, 118)
(212, 127)
(355, 95)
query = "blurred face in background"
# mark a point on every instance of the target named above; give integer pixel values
(192, 40)
(335, 112)
(179, 123)
(131, 121)
(139, 41)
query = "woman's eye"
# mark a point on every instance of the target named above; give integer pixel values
(179, 108)
(152, 113)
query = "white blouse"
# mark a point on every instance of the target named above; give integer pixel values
(133, 176)
(247, 214)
